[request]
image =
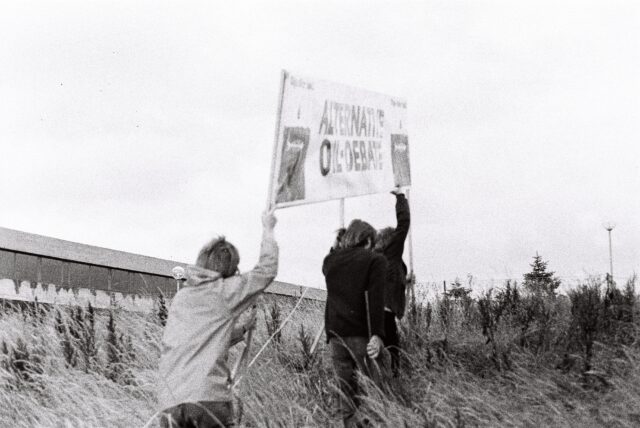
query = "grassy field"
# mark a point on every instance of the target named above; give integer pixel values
(517, 356)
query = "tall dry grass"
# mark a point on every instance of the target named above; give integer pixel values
(463, 366)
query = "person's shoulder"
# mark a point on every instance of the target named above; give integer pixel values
(366, 254)
(379, 257)
(332, 254)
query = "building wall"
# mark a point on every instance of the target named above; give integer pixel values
(63, 272)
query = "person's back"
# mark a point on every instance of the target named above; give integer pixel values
(196, 339)
(194, 378)
(347, 274)
(354, 318)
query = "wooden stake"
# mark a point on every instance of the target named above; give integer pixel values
(366, 302)
(413, 291)
(271, 196)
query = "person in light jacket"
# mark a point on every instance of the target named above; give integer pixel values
(194, 385)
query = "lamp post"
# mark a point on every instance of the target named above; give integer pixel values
(178, 274)
(609, 227)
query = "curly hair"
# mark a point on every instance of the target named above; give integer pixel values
(220, 256)
(358, 234)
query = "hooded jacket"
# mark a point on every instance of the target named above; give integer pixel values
(196, 340)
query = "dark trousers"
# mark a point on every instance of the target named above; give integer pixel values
(203, 414)
(392, 340)
(349, 355)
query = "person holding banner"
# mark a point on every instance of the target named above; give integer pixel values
(390, 242)
(194, 382)
(354, 312)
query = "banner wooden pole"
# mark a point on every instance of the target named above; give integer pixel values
(366, 302)
(410, 247)
(275, 158)
(410, 235)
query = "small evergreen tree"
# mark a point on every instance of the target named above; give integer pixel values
(163, 313)
(88, 347)
(539, 280)
(114, 352)
(120, 354)
(306, 357)
(540, 303)
(68, 349)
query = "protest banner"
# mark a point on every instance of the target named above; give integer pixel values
(334, 141)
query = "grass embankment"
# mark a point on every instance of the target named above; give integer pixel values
(523, 358)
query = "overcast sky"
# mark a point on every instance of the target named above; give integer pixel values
(148, 126)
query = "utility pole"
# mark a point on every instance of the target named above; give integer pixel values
(609, 227)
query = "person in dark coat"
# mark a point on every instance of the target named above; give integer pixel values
(354, 312)
(390, 242)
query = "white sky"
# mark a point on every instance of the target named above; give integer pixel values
(148, 126)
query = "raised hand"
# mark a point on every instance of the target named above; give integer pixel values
(374, 347)
(269, 220)
(397, 191)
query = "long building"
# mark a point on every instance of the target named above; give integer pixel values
(43, 262)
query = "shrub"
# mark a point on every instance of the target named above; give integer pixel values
(78, 336)
(303, 359)
(587, 312)
(491, 312)
(532, 312)
(68, 349)
(619, 311)
(120, 354)
(19, 361)
(163, 312)
(85, 321)
(414, 328)
(462, 300)
(444, 311)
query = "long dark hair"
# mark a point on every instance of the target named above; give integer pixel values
(358, 234)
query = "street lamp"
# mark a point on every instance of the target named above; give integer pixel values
(609, 227)
(179, 275)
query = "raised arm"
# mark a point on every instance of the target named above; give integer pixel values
(240, 296)
(403, 218)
